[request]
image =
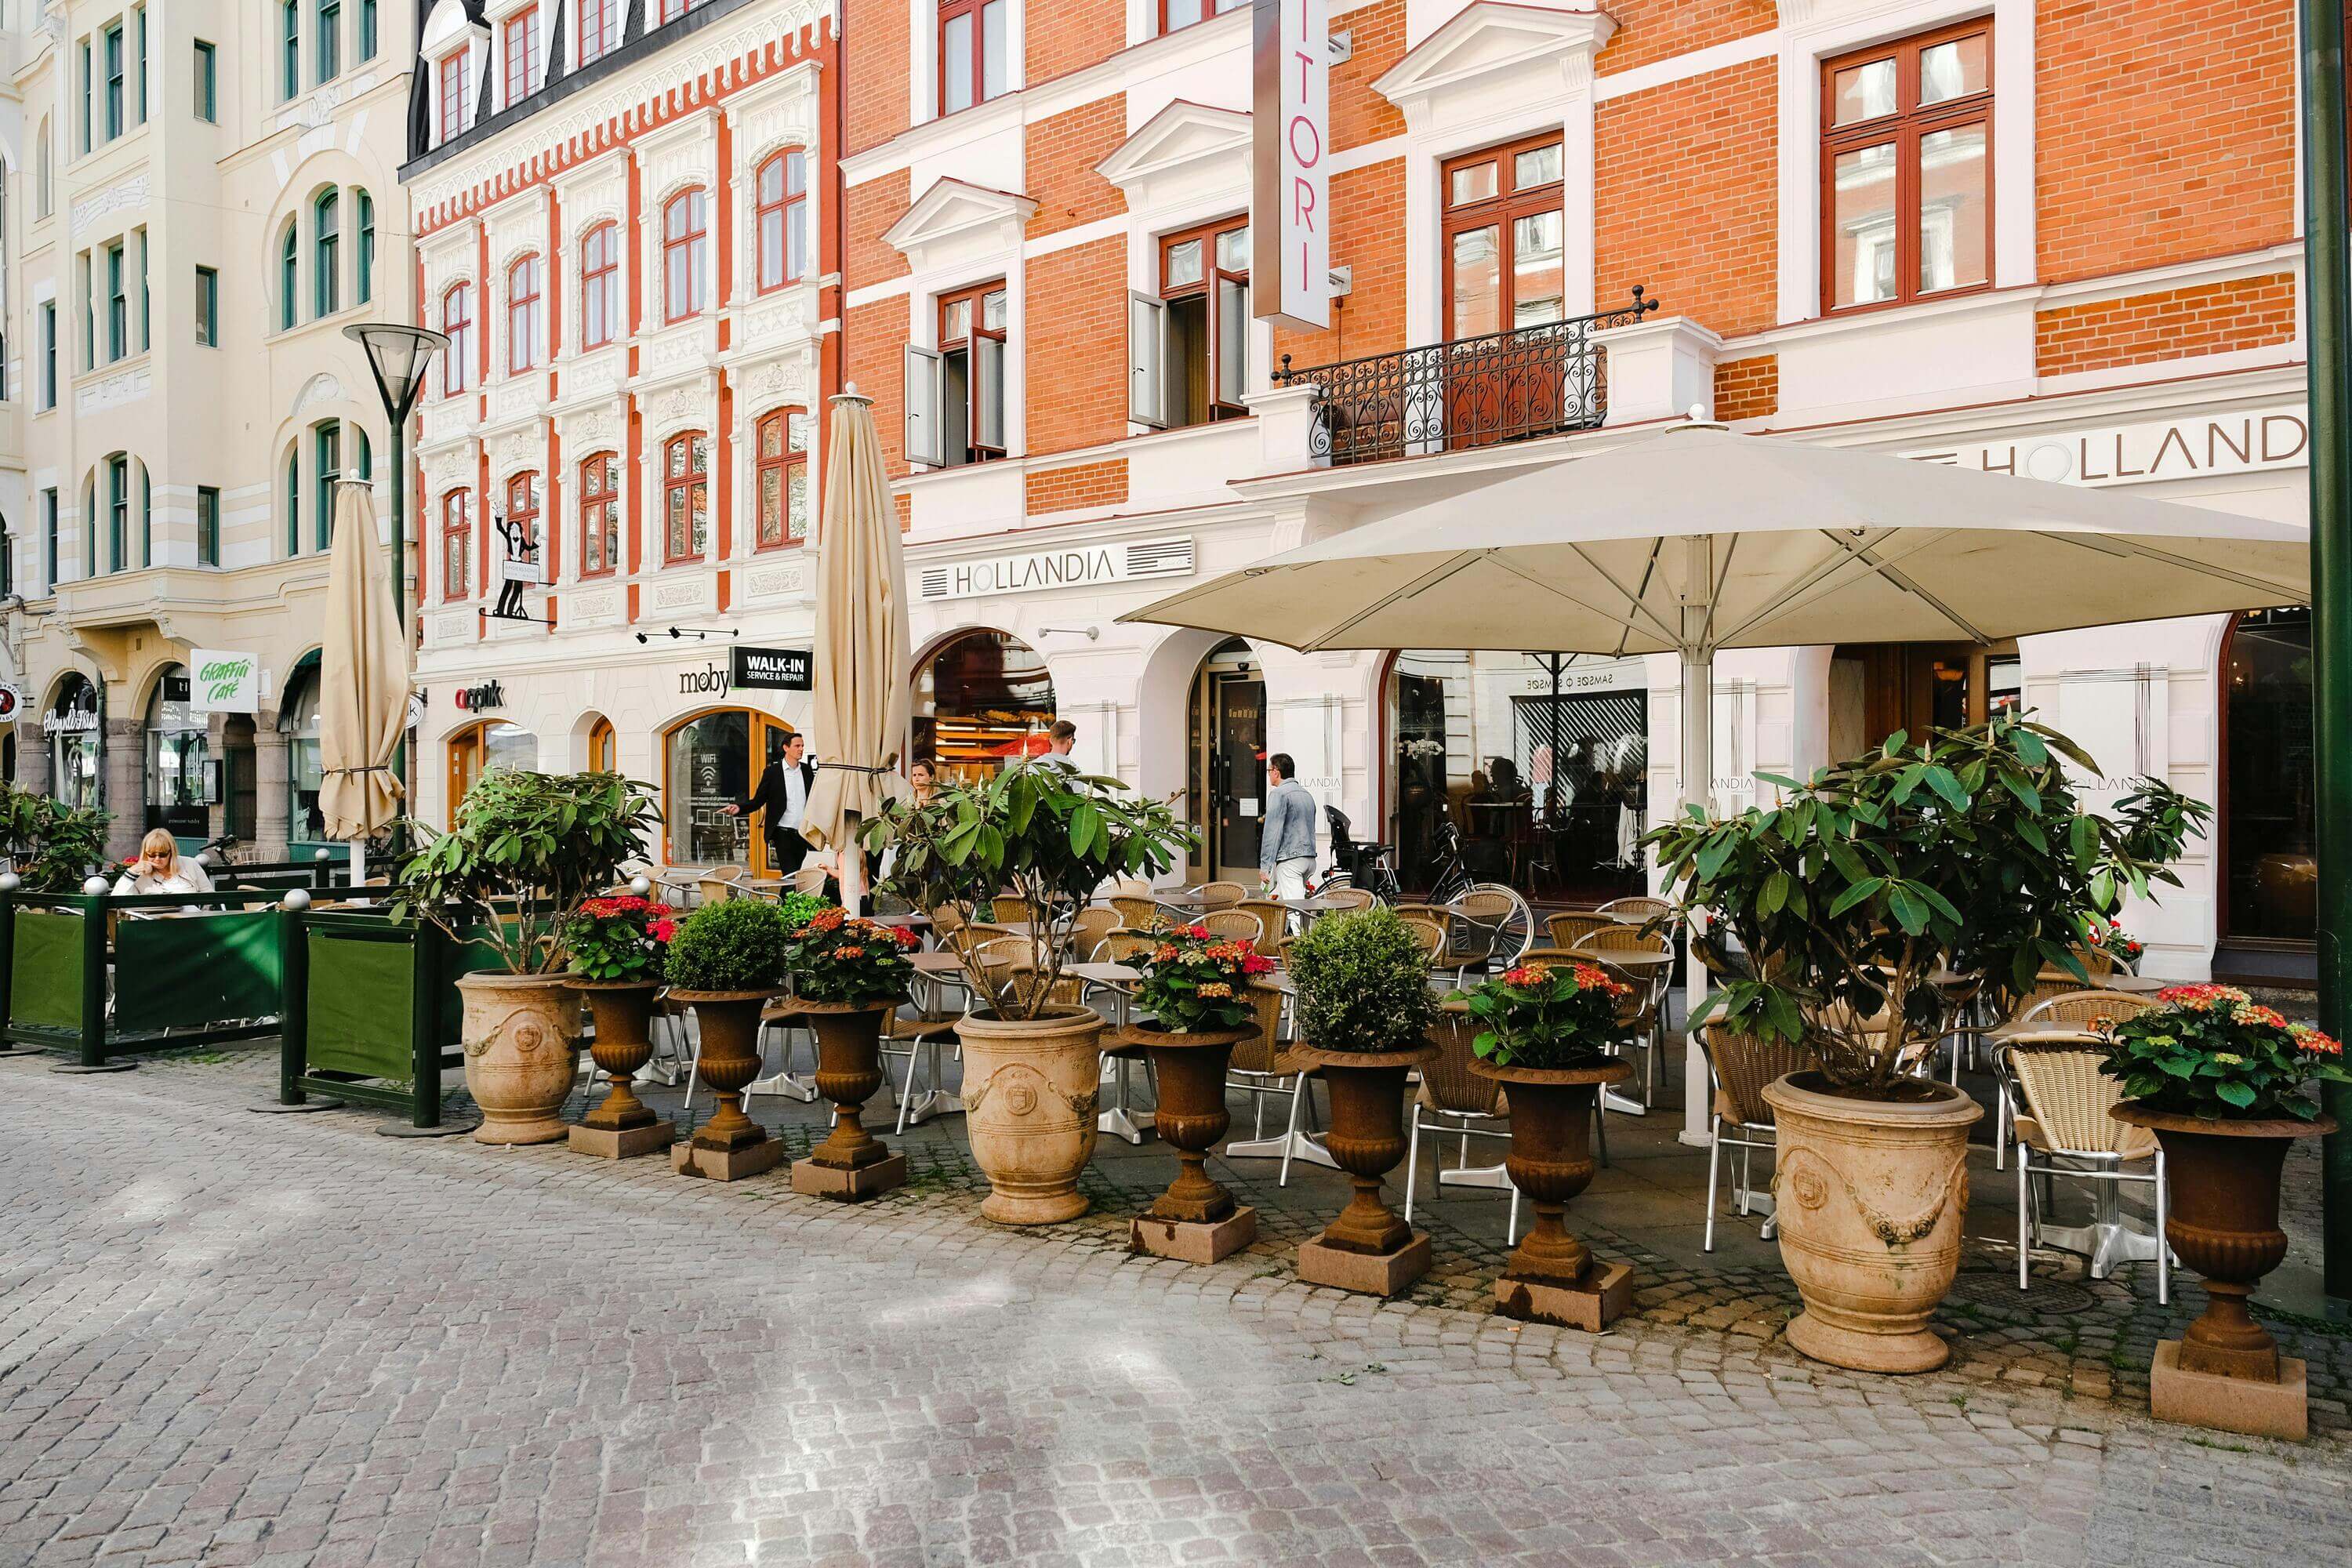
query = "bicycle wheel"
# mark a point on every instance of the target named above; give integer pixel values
(1517, 931)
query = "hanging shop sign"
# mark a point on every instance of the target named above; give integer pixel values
(11, 702)
(2143, 453)
(1290, 227)
(1081, 566)
(223, 682)
(476, 698)
(774, 669)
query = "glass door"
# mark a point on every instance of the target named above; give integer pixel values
(1237, 774)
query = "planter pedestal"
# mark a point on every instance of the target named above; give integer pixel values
(2225, 1372)
(1552, 1277)
(851, 1163)
(1196, 1219)
(1029, 1094)
(730, 1145)
(1369, 1249)
(518, 1032)
(624, 1126)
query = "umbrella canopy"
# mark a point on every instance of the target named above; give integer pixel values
(362, 678)
(859, 708)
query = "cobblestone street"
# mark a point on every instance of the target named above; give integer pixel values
(228, 1339)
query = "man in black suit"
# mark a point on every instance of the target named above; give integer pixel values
(783, 794)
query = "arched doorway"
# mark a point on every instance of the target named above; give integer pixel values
(603, 747)
(75, 726)
(980, 698)
(478, 748)
(2268, 809)
(178, 752)
(708, 766)
(242, 807)
(1225, 795)
(298, 720)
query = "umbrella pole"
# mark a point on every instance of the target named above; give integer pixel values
(1697, 767)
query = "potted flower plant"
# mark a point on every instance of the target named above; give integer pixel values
(618, 944)
(1364, 1010)
(1032, 1053)
(1868, 901)
(525, 851)
(1545, 1031)
(724, 961)
(2219, 1080)
(2109, 937)
(848, 977)
(52, 846)
(1196, 1001)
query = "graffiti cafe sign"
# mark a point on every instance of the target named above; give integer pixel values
(223, 682)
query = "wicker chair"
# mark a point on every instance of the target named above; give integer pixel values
(2063, 1131)
(1008, 908)
(1234, 925)
(1124, 946)
(1010, 967)
(1741, 1064)
(2086, 1009)
(1637, 909)
(713, 888)
(1652, 983)
(1438, 914)
(1264, 1065)
(1273, 919)
(1138, 914)
(1431, 935)
(1220, 895)
(1087, 929)
(1569, 927)
(1459, 1101)
(948, 919)
(1350, 897)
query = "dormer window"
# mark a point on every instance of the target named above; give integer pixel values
(600, 28)
(520, 45)
(453, 95)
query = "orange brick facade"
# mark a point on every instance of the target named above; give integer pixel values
(1061, 155)
(1653, 30)
(875, 66)
(2249, 313)
(1747, 388)
(1368, 238)
(1076, 356)
(1072, 34)
(869, 212)
(1078, 485)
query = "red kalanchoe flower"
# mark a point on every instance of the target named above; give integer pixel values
(1256, 964)
(1197, 932)
(662, 931)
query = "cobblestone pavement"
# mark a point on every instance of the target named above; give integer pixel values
(226, 1339)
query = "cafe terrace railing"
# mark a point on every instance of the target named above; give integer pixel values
(1534, 380)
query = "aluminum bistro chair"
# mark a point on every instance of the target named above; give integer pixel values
(2064, 1131)
(1087, 929)
(1138, 914)
(1492, 926)
(1220, 895)
(1431, 935)
(2087, 1010)
(1262, 1065)
(1457, 1103)
(1652, 983)
(1273, 919)
(1741, 1064)
(1569, 927)
(712, 888)
(1234, 925)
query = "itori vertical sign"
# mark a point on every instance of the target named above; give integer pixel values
(1291, 227)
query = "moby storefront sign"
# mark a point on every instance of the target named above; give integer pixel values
(223, 682)
(1290, 228)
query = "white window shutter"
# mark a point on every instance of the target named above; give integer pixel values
(923, 407)
(987, 392)
(1233, 339)
(1147, 331)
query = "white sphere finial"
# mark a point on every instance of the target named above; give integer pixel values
(296, 901)
(641, 885)
(95, 886)
(10, 881)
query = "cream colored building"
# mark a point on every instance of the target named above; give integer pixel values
(199, 199)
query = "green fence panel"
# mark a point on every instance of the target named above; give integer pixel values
(192, 969)
(45, 984)
(361, 1000)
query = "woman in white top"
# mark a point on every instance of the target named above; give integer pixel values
(161, 868)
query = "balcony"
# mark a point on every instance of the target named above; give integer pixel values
(1535, 381)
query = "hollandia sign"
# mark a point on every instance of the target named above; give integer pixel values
(1081, 566)
(2239, 443)
(223, 682)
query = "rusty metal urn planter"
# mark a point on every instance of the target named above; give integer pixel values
(1029, 1094)
(1196, 1219)
(623, 1125)
(1552, 1277)
(1368, 1248)
(730, 1145)
(2225, 1370)
(851, 1163)
(519, 1031)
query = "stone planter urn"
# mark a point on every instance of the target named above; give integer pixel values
(1029, 1090)
(851, 1163)
(730, 1145)
(1871, 1195)
(2225, 1370)
(1552, 1277)
(1368, 1249)
(1196, 1219)
(519, 1032)
(624, 1126)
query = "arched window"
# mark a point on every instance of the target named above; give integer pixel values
(685, 244)
(783, 219)
(783, 438)
(603, 748)
(327, 449)
(600, 286)
(363, 288)
(456, 545)
(457, 322)
(118, 511)
(367, 453)
(686, 497)
(325, 249)
(522, 314)
(294, 497)
(290, 275)
(176, 752)
(600, 514)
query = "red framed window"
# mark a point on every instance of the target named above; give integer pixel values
(523, 505)
(453, 94)
(600, 514)
(783, 219)
(524, 317)
(1504, 237)
(457, 322)
(686, 253)
(1176, 14)
(1906, 169)
(1190, 347)
(456, 545)
(671, 10)
(600, 286)
(520, 45)
(782, 477)
(597, 18)
(686, 497)
(973, 53)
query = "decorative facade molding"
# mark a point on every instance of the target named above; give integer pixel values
(1490, 38)
(1183, 137)
(953, 212)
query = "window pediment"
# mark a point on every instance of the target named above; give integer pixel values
(1183, 138)
(1490, 38)
(958, 214)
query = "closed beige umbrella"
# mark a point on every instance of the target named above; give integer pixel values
(857, 718)
(362, 680)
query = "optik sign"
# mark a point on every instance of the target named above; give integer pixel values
(1290, 225)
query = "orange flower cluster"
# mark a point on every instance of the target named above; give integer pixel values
(2314, 1043)
(1588, 977)
(2250, 1014)
(2203, 998)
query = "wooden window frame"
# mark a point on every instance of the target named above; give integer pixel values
(694, 242)
(976, 297)
(594, 18)
(456, 372)
(1500, 211)
(457, 587)
(523, 313)
(595, 494)
(535, 493)
(949, 11)
(451, 91)
(686, 482)
(519, 52)
(791, 209)
(782, 466)
(1205, 286)
(1906, 125)
(600, 282)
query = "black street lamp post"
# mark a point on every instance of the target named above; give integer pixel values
(397, 356)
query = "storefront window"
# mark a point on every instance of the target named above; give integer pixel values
(474, 751)
(709, 769)
(177, 752)
(76, 728)
(980, 700)
(2268, 807)
(1535, 765)
(298, 720)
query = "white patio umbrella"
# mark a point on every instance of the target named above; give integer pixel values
(858, 711)
(1695, 540)
(363, 682)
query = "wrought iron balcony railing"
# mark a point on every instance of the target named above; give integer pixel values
(1472, 392)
